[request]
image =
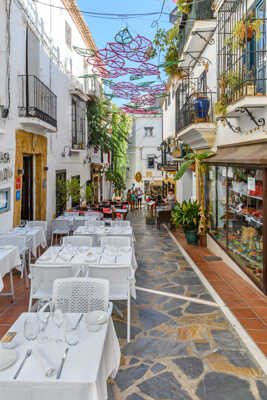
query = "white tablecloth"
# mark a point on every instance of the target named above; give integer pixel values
(9, 258)
(107, 231)
(35, 237)
(76, 256)
(84, 376)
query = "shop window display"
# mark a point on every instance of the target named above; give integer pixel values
(236, 206)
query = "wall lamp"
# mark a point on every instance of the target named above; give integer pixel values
(45, 168)
(20, 171)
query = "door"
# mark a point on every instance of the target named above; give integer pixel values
(27, 189)
(61, 178)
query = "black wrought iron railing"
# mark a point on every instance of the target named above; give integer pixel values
(197, 108)
(200, 10)
(37, 100)
(241, 50)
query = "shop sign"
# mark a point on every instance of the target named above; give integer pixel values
(251, 184)
(18, 183)
(18, 195)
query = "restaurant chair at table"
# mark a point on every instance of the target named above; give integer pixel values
(81, 295)
(70, 214)
(119, 277)
(124, 224)
(78, 241)
(41, 224)
(59, 227)
(77, 223)
(20, 241)
(42, 277)
(115, 241)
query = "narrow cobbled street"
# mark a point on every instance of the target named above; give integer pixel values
(179, 349)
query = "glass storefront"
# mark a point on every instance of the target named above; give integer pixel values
(235, 197)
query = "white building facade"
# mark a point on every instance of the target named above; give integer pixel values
(43, 121)
(144, 153)
(225, 73)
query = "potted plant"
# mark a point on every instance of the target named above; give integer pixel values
(201, 107)
(184, 6)
(243, 32)
(196, 159)
(186, 214)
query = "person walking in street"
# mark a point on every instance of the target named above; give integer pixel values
(133, 200)
(139, 197)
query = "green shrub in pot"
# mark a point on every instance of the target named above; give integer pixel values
(187, 215)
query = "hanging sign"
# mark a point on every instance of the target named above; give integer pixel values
(18, 183)
(251, 184)
(18, 195)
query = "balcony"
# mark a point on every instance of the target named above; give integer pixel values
(196, 120)
(196, 21)
(37, 104)
(241, 58)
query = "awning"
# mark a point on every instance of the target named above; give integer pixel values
(253, 154)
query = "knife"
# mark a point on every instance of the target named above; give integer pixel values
(78, 322)
(62, 362)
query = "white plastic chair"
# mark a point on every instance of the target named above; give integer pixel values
(119, 223)
(20, 241)
(78, 222)
(41, 224)
(60, 227)
(115, 241)
(42, 279)
(70, 214)
(78, 241)
(81, 295)
(119, 278)
(99, 224)
(93, 214)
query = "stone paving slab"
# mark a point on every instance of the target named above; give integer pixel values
(179, 349)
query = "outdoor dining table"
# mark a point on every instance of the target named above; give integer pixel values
(97, 233)
(9, 259)
(78, 257)
(87, 366)
(123, 211)
(35, 237)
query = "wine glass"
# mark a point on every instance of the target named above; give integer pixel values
(31, 327)
(43, 318)
(71, 334)
(58, 320)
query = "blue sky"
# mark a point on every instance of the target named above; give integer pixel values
(104, 30)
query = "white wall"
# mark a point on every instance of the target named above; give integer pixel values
(56, 72)
(142, 146)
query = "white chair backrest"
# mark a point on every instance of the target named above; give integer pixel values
(12, 239)
(115, 241)
(118, 223)
(99, 224)
(43, 276)
(77, 223)
(118, 277)
(70, 214)
(41, 224)
(60, 225)
(81, 295)
(78, 241)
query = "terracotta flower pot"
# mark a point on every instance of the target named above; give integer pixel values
(193, 167)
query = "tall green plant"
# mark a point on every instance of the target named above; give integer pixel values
(196, 158)
(187, 215)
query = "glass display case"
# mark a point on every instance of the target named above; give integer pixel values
(235, 197)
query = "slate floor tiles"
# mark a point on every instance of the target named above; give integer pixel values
(180, 349)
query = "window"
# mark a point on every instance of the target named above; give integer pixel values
(148, 131)
(78, 113)
(150, 162)
(68, 35)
